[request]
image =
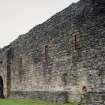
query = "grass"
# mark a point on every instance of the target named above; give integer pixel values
(28, 102)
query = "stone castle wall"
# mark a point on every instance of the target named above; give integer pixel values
(60, 60)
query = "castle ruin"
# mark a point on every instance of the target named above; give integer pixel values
(60, 60)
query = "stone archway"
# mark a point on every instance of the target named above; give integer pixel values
(1, 87)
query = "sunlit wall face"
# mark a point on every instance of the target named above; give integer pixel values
(19, 16)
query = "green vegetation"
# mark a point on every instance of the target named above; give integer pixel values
(28, 102)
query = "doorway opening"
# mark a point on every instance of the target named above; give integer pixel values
(1, 87)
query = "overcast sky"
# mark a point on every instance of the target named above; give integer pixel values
(19, 16)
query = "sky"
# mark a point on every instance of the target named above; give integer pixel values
(19, 16)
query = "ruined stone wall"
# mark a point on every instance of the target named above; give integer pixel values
(60, 60)
(63, 65)
(3, 71)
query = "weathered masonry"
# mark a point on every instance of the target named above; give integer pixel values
(61, 60)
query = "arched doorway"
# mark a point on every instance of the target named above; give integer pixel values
(1, 87)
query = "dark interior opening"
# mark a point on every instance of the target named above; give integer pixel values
(1, 87)
(46, 54)
(64, 78)
(45, 66)
(1, 62)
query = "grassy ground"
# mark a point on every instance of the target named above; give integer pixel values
(28, 102)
